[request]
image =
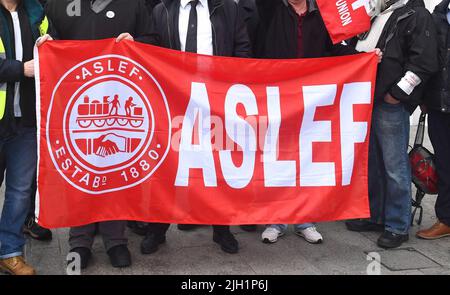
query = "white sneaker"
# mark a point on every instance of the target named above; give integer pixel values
(311, 235)
(271, 235)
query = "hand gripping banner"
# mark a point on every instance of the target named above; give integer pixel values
(129, 131)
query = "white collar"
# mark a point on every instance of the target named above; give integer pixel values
(184, 3)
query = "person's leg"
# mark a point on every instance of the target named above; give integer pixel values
(393, 128)
(249, 227)
(158, 228)
(377, 187)
(303, 226)
(82, 236)
(113, 233)
(21, 157)
(138, 227)
(280, 227)
(221, 229)
(30, 226)
(81, 239)
(377, 179)
(115, 241)
(439, 130)
(223, 236)
(156, 235)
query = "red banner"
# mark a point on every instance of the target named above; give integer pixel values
(134, 132)
(345, 19)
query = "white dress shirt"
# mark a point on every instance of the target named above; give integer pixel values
(19, 57)
(204, 27)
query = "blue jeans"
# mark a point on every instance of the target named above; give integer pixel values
(283, 227)
(389, 168)
(21, 159)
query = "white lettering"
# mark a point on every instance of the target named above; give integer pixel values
(196, 156)
(276, 173)
(236, 127)
(352, 132)
(311, 173)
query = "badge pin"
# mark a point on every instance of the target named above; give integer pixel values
(110, 14)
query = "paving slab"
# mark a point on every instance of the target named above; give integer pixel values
(436, 271)
(406, 259)
(275, 259)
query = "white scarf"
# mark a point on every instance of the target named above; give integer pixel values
(378, 24)
(448, 14)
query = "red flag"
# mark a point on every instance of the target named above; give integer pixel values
(129, 131)
(345, 19)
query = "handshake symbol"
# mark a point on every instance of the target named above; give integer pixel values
(108, 145)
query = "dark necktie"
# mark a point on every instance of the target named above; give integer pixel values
(191, 38)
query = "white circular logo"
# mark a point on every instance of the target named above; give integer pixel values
(102, 134)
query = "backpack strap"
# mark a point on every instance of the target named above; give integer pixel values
(420, 130)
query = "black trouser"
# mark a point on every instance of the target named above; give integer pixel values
(439, 130)
(112, 232)
(161, 228)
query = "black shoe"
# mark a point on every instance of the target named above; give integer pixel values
(249, 228)
(227, 242)
(120, 256)
(363, 225)
(36, 231)
(139, 228)
(150, 244)
(85, 256)
(185, 227)
(389, 240)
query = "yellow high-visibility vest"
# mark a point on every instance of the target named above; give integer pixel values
(2, 85)
(43, 29)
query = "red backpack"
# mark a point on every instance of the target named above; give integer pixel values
(423, 168)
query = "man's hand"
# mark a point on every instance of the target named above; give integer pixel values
(43, 39)
(28, 69)
(379, 53)
(390, 99)
(124, 36)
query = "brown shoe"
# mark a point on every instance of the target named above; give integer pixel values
(437, 231)
(16, 266)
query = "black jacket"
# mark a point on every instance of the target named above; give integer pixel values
(230, 36)
(249, 14)
(408, 42)
(31, 16)
(151, 4)
(129, 16)
(437, 95)
(279, 25)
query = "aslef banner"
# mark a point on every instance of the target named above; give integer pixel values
(128, 131)
(345, 19)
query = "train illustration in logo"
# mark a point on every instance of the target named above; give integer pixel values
(106, 113)
(118, 121)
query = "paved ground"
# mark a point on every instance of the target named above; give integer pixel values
(194, 253)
